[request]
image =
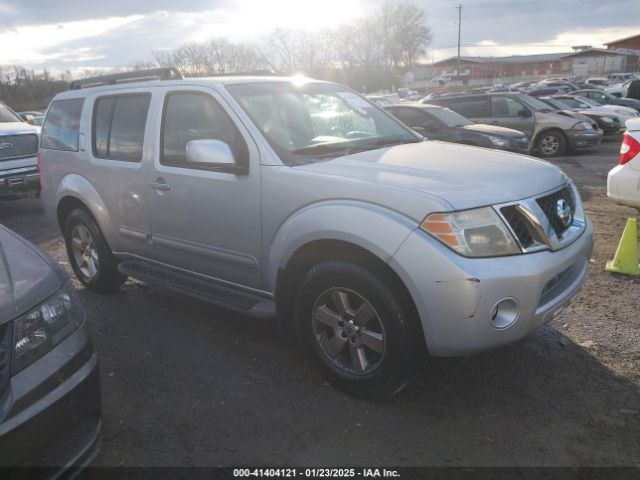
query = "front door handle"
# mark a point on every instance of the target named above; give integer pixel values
(159, 184)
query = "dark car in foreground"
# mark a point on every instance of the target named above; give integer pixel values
(439, 123)
(49, 383)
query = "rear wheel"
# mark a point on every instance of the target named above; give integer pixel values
(356, 332)
(91, 259)
(551, 144)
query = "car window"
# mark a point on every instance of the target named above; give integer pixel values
(474, 107)
(62, 124)
(119, 125)
(505, 107)
(6, 115)
(191, 116)
(411, 116)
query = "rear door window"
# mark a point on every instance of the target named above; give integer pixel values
(473, 107)
(505, 107)
(62, 125)
(119, 125)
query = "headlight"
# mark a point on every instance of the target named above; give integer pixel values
(472, 233)
(607, 119)
(41, 329)
(581, 126)
(499, 142)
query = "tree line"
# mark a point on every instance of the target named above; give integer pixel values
(368, 53)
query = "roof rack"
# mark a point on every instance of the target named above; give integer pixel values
(127, 77)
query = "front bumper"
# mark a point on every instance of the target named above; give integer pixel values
(50, 414)
(21, 182)
(583, 138)
(455, 296)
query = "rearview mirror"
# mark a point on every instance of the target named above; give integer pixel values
(525, 112)
(430, 126)
(213, 153)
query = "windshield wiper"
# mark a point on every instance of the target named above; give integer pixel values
(322, 148)
(383, 142)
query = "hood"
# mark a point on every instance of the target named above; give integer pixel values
(17, 128)
(27, 276)
(494, 130)
(633, 124)
(463, 176)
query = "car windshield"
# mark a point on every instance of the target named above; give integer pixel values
(557, 104)
(602, 81)
(306, 122)
(449, 117)
(534, 103)
(588, 101)
(7, 115)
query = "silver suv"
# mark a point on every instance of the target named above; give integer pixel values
(300, 200)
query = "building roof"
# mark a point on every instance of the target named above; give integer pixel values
(599, 50)
(544, 57)
(623, 39)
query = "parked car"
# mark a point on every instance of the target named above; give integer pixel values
(550, 133)
(615, 89)
(620, 77)
(597, 82)
(575, 101)
(29, 115)
(49, 382)
(608, 123)
(18, 157)
(270, 195)
(438, 123)
(623, 181)
(604, 98)
(565, 85)
(380, 100)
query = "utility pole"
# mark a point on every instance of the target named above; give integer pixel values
(459, 7)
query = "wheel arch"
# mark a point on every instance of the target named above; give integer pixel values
(547, 130)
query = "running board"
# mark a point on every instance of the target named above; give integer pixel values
(201, 288)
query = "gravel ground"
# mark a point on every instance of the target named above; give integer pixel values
(185, 383)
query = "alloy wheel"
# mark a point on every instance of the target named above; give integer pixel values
(349, 331)
(84, 251)
(550, 145)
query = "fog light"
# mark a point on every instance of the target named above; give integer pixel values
(504, 313)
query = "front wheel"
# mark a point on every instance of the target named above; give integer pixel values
(90, 256)
(551, 144)
(356, 331)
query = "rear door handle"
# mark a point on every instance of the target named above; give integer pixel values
(159, 184)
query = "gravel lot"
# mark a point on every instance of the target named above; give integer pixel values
(185, 383)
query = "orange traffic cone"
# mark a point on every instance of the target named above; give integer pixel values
(625, 260)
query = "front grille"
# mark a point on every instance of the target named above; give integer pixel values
(15, 146)
(5, 355)
(549, 206)
(519, 225)
(522, 143)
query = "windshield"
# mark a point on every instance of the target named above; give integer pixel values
(534, 103)
(449, 117)
(7, 115)
(557, 104)
(599, 81)
(588, 101)
(312, 121)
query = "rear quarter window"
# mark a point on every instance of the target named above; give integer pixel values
(61, 127)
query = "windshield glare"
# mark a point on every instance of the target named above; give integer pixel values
(449, 117)
(295, 118)
(7, 115)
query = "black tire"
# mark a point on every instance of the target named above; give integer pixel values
(551, 143)
(404, 349)
(107, 278)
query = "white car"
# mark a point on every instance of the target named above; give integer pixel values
(623, 181)
(576, 101)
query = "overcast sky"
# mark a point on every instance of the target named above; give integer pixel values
(73, 34)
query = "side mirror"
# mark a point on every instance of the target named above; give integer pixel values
(525, 112)
(213, 153)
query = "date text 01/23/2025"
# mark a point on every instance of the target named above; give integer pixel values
(315, 473)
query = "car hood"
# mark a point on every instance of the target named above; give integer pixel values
(494, 130)
(17, 128)
(27, 276)
(463, 176)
